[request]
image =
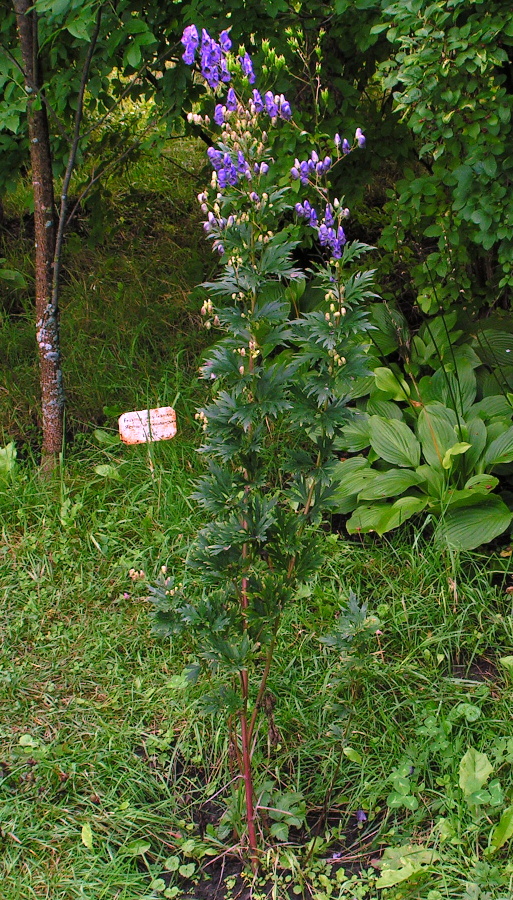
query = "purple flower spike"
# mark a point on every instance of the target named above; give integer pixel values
(231, 100)
(224, 40)
(285, 110)
(257, 100)
(359, 137)
(271, 105)
(247, 67)
(190, 40)
(346, 146)
(219, 114)
(225, 72)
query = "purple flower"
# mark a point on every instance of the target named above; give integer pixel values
(247, 67)
(225, 42)
(359, 137)
(346, 146)
(211, 55)
(270, 104)
(304, 172)
(295, 173)
(258, 102)
(361, 816)
(241, 162)
(264, 168)
(190, 40)
(219, 114)
(231, 100)
(337, 140)
(225, 73)
(215, 157)
(328, 215)
(285, 110)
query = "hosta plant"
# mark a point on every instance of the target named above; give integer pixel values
(431, 446)
(280, 380)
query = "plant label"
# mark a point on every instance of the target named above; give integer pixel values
(146, 425)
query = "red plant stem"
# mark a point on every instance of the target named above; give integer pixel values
(248, 788)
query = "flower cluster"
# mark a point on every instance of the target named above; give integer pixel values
(329, 230)
(213, 62)
(228, 169)
(214, 66)
(303, 170)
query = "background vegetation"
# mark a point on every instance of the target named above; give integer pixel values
(390, 751)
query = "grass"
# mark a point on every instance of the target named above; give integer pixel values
(112, 782)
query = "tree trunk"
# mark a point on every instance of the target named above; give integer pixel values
(47, 313)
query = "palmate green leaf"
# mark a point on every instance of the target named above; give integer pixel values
(436, 429)
(394, 442)
(389, 484)
(479, 521)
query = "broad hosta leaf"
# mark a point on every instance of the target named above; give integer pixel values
(482, 484)
(354, 436)
(476, 436)
(436, 429)
(467, 527)
(502, 831)
(434, 478)
(456, 450)
(475, 770)
(390, 383)
(496, 405)
(389, 484)
(349, 477)
(495, 348)
(500, 450)
(387, 409)
(394, 442)
(456, 389)
(383, 517)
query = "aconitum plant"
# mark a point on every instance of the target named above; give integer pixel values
(280, 381)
